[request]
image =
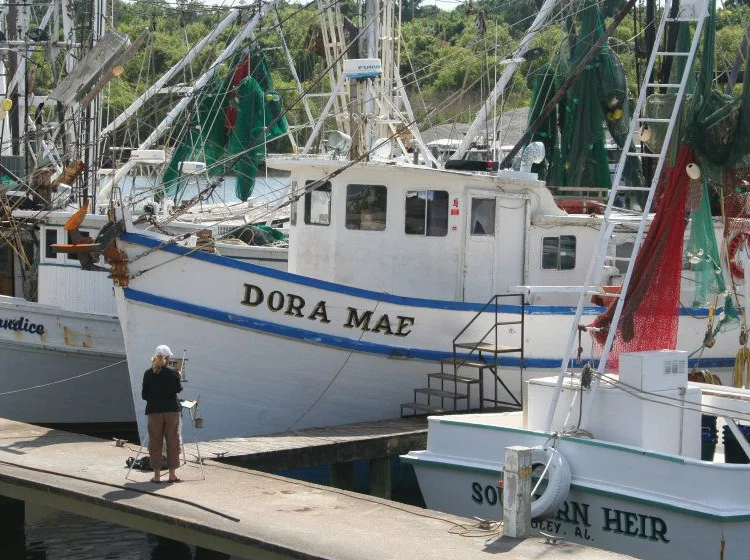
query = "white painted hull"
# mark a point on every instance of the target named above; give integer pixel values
(61, 367)
(648, 505)
(259, 366)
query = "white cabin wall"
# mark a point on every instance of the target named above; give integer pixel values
(389, 260)
(74, 289)
(586, 241)
(311, 248)
(63, 283)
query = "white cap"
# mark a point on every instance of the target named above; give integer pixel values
(163, 350)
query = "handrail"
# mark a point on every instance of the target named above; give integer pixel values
(493, 366)
(486, 305)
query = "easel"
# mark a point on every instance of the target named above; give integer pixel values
(192, 408)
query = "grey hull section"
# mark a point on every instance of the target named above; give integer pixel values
(63, 386)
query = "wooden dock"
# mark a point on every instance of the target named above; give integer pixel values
(312, 447)
(236, 511)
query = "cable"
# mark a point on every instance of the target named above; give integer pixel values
(62, 380)
(334, 378)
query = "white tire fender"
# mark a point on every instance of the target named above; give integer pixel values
(558, 484)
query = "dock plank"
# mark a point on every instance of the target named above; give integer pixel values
(311, 447)
(245, 513)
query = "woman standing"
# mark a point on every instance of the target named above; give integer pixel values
(160, 387)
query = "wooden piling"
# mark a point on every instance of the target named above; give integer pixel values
(12, 527)
(380, 477)
(517, 492)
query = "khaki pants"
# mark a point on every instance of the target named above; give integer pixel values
(164, 425)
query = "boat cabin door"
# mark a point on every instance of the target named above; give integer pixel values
(495, 243)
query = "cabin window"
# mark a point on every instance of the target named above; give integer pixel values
(50, 238)
(426, 213)
(318, 204)
(366, 207)
(483, 216)
(559, 253)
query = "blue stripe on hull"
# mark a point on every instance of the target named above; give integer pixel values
(230, 262)
(343, 343)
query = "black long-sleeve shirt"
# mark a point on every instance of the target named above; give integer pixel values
(160, 390)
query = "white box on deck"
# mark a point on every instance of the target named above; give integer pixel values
(662, 370)
(662, 421)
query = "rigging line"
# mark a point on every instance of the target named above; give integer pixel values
(234, 159)
(281, 22)
(291, 15)
(678, 402)
(349, 354)
(43, 385)
(290, 107)
(510, 42)
(312, 186)
(593, 52)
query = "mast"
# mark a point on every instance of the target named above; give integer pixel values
(184, 61)
(180, 107)
(539, 21)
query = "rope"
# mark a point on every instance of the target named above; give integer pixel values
(62, 380)
(741, 376)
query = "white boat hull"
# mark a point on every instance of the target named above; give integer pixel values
(624, 499)
(270, 350)
(62, 367)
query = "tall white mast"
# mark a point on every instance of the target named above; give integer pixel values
(539, 21)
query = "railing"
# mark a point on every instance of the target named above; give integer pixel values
(476, 348)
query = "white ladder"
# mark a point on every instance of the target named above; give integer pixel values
(690, 11)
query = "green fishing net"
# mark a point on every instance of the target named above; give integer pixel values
(574, 133)
(710, 124)
(232, 120)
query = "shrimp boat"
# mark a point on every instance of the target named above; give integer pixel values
(403, 275)
(628, 442)
(60, 339)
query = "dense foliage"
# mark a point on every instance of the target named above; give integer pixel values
(441, 52)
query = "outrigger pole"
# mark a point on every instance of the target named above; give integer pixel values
(539, 21)
(595, 50)
(154, 89)
(177, 110)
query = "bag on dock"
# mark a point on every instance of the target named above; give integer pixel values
(144, 463)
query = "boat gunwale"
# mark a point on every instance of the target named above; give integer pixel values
(382, 297)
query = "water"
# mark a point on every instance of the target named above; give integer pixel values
(57, 535)
(268, 189)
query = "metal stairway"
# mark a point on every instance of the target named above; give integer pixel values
(694, 11)
(474, 360)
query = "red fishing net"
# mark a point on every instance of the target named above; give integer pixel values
(650, 312)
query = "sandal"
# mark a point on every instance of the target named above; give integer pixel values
(175, 480)
(156, 481)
